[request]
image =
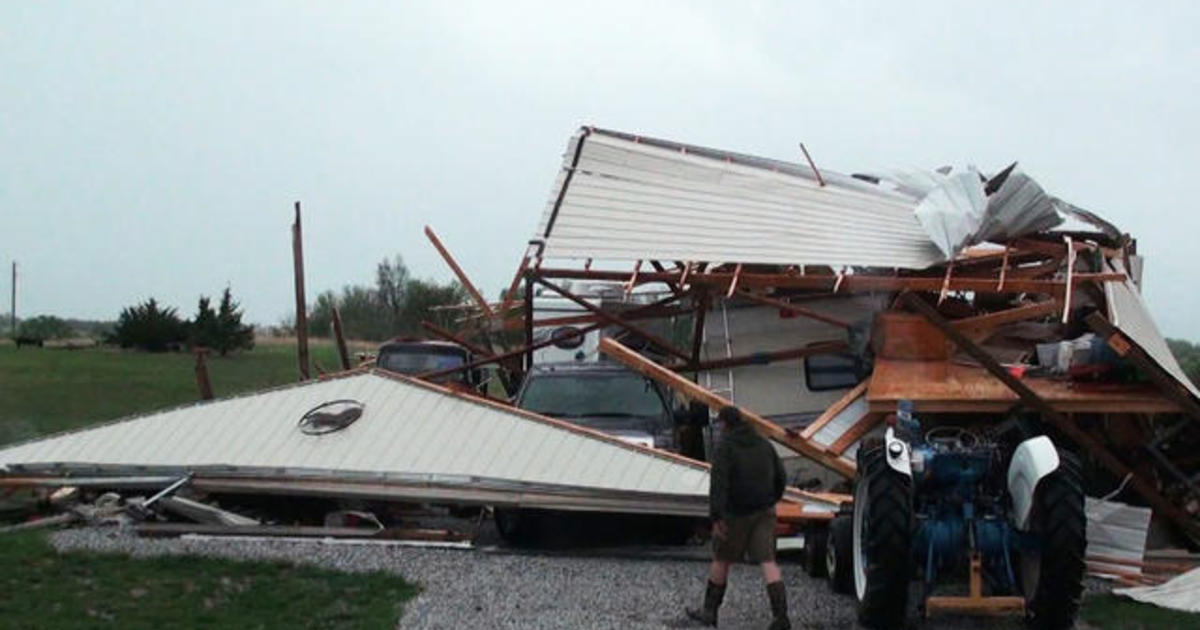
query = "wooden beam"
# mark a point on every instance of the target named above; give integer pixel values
(980, 324)
(833, 410)
(618, 321)
(340, 338)
(793, 309)
(301, 302)
(692, 391)
(855, 433)
(572, 320)
(462, 276)
(510, 296)
(1061, 422)
(1131, 351)
(850, 283)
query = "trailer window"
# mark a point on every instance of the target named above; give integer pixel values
(830, 371)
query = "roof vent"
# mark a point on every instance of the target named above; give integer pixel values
(330, 416)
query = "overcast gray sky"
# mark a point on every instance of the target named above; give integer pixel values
(155, 148)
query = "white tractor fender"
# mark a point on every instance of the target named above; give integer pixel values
(899, 456)
(1032, 461)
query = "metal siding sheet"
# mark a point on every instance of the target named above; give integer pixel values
(842, 421)
(631, 201)
(406, 429)
(1128, 312)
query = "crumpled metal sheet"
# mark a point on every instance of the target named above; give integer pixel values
(957, 213)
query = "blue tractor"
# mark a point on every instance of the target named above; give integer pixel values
(937, 505)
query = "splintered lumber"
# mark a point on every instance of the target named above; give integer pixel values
(172, 530)
(49, 521)
(1063, 423)
(692, 391)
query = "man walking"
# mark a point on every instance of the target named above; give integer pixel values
(747, 481)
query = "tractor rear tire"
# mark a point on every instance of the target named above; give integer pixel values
(1052, 581)
(882, 531)
(838, 564)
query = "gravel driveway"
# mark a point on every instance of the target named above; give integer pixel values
(500, 589)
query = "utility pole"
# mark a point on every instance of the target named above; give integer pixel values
(301, 304)
(12, 322)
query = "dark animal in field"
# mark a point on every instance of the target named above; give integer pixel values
(29, 341)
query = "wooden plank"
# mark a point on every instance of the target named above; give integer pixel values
(982, 324)
(833, 410)
(793, 309)
(459, 273)
(1131, 351)
(855, 433)
(510, 296)
(1064, 424)
(692, 391)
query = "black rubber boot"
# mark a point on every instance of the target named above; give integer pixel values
(778, 596)
(707, 615)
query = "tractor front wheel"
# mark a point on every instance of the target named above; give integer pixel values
(882, 531)
(1052, 577)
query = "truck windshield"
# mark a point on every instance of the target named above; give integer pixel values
(417, 362)
(592, 395)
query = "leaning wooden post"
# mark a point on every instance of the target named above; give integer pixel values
(301, 303)
(202, 381)
(528, 318)
(341, 339)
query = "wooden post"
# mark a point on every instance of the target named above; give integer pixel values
(529, 319)
(1063, 423)
(702, 303)
(202, 381)
(340, 338)
(301, 303)
(12, 322)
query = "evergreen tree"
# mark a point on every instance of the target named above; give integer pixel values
(232, 333)
(204, 331)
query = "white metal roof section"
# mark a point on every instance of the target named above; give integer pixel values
(409, 431)
(1129, 314)
(623, 197)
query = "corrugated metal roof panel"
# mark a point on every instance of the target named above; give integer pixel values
(1129, 314)
(407, 429)
(629, 198)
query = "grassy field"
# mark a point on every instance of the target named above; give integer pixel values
(46, 390)
(44, 589)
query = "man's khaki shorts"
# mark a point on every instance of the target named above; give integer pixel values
(751, 537)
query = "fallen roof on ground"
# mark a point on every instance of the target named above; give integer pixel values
(410, 440)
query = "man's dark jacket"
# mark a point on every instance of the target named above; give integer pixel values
(747, 475)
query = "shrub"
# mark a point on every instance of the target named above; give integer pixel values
(148, 326)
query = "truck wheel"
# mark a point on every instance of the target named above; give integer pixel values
(882, 533)
(1052, 580)
(816, 538)
(838, 544)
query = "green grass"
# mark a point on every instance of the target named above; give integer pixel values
(1110, 612)
(40, 588)
(45, 390)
